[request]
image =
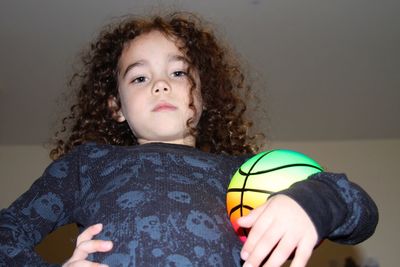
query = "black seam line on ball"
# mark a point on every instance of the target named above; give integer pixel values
(245, 181)
(278, 168)
(250, 189)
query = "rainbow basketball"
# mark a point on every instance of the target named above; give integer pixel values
(260, 176)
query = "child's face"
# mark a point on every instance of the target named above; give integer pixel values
(155, 90)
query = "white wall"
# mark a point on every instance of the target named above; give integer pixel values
(370, 163)
(20, 166)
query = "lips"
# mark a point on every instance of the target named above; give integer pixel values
(164, 106)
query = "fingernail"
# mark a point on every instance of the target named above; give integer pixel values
(244, 255)
(246, 264)
(103, 265)
(107, 244)
(241, 221)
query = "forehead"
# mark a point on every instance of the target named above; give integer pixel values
(153, 43)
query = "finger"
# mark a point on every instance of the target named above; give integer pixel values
(249, 220)
(89, 233)
(303, 254)
(86, 247)
(282, 251)
(84, 263)
(259, 251)
(256, 233)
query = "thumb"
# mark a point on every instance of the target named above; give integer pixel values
(248, 220)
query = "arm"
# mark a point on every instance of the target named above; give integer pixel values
(341, 210)
(326, 205)
(48, 204)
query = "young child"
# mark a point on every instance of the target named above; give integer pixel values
(156, 134)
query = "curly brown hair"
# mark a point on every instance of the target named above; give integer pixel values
(222, 127)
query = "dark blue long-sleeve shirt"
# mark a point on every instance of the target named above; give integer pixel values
(162, 204)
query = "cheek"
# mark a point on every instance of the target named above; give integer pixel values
(198, 114)
(131, 107)
(198, 103)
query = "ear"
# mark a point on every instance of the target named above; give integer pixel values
(115, 109)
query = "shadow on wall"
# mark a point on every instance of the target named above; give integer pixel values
(59, 245)
(330, 254)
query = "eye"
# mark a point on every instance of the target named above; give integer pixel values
(179, 73)
(140, 79)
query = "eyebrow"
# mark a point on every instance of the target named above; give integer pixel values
(171, 58)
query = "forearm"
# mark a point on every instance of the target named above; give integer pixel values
(341, 210)
(17, 243)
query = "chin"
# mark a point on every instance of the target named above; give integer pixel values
(169, 129)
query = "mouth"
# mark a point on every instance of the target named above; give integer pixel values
(164, 107)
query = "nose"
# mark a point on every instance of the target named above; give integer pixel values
(161, 86)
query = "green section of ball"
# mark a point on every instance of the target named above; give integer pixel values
(237, 180)
(277, 159)
(278, 168)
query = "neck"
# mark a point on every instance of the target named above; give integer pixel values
(188, 141)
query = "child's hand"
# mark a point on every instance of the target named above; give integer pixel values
(278, 228)
(85, 245)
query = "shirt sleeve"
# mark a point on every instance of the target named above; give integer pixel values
(340, 210)
(48, 204)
